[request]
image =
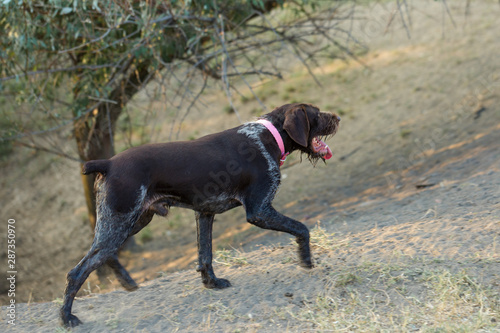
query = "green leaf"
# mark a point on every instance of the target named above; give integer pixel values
(66, 10)
(95, 5)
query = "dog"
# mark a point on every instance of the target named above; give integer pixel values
(210, 175)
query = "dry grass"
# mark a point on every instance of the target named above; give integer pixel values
(398, 294)
(222, 311)
(325, 242)
(230, 258)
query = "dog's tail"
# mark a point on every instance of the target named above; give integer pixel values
(101, 166)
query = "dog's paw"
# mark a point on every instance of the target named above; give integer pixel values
(218, 284)
(130, 287)
(306, 264)
(70, 320)
(129, 284)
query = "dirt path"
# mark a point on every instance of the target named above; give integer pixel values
(408, 209)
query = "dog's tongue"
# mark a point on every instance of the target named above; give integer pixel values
(329, 153)
(322, 148)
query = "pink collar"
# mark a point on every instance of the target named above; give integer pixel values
(277, 137)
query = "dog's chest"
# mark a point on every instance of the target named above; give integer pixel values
(217, 204)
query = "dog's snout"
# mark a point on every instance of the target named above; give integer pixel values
(338, 118)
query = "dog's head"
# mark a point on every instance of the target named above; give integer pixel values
(307, 128)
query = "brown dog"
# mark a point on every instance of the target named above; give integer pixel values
(211, 175)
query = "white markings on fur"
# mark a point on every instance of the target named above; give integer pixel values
(105, 214)
(141, 197)
(254, 131)
(220, 203)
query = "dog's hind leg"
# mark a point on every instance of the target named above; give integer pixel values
(111, 232)
(76, 277)
(121, 274)
(204, 227)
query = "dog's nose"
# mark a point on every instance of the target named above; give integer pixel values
(338, 118)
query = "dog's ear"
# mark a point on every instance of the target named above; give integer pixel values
(297, 125)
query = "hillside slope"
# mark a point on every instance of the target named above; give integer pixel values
(405, 217)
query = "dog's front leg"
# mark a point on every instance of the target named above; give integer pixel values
(267, 217)
(204, 228)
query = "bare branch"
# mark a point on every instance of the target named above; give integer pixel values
(403, 19)
(195, 99)
(226, 57)
(445, 4)
(48, 150)
(57, 70)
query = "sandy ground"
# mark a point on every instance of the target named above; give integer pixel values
(405, 218)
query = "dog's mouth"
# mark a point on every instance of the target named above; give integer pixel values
(321, 148)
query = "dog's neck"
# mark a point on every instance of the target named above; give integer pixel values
(277, 137)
